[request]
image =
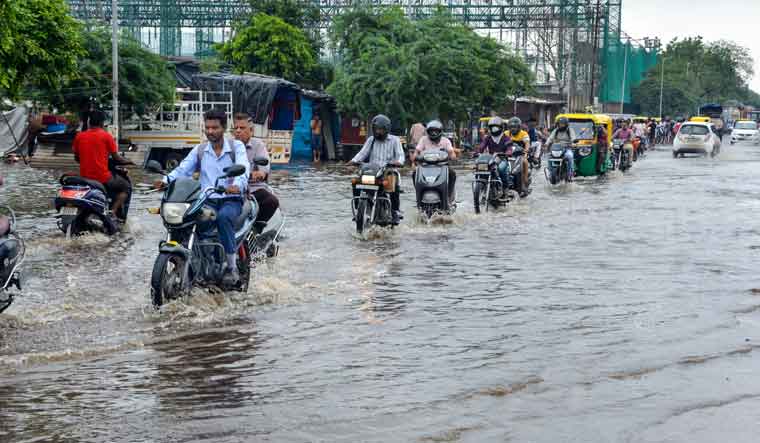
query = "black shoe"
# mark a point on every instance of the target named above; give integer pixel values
(397, 217)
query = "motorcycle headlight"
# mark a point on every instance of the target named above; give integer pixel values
(368, 179)
(482, 166)
(585, 151)
(556, 153)
(174, 213)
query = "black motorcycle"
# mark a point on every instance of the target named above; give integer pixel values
(83, 205)
(192, 254)
(12, 250)
(431, 183)
(622, 155)
(371, 204)
(488, 190)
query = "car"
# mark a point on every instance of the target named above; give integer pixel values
(745, 130)
(696, 138)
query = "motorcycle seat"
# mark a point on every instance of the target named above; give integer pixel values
(244, 214)
(73, 180)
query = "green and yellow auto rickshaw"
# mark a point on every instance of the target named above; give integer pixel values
(586, 149)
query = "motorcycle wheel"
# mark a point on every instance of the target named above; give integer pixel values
(167, 280)
(477, 188)
(553, 176)
(244, 269)
(361, 216)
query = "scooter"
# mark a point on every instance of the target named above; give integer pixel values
(83, 205)
(431, 183)
(192, 254)
(12, 251)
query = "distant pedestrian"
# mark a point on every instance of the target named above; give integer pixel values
(316, 137)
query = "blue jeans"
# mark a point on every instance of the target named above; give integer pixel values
(227, 211)
(504, 173)
(570, 163)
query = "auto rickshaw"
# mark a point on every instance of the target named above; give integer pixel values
(586, 147)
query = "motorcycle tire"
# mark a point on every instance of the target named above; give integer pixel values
(166, 281)
(553, 176)
(477, 189)
(244, 269)
(361, 216)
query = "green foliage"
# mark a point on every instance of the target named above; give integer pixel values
(268, 45)
(145, 79)
(39, 44)
(696, 72)
(298, 13)
(416, 70)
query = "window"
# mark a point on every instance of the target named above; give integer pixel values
(748, 126)
(583, 130)
(694, 130)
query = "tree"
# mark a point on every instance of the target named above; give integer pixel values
(268, 45)
(39, 44)
(676, 100)
(416, 70)
(145, 79)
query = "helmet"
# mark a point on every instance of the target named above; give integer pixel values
(563, 123)
(515, 125)
(495, 126)
(381, 126)
(434, 130)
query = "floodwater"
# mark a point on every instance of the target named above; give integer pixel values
(623, 309)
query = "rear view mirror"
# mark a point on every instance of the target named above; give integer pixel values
(234, 170)
(154, 166)
(261, 161)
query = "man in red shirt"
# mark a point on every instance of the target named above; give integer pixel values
(91, 150)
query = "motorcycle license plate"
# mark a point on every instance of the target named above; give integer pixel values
(368, 187)
(482, 167)
(69, 210)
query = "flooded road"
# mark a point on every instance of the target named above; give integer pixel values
(622, 309)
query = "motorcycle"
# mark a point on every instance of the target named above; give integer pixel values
(12, 251)
(557, 169)
(534, 156)
(83, 205)
(516, 168)
(192, 255)
(487, 188)
(622, 154)
(372, 205)
(431, 184)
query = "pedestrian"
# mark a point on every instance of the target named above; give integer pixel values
(316, 137)
(416, 132)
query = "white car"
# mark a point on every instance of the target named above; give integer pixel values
(696, 138)
(745, 130)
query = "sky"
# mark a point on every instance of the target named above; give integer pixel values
(736, 20)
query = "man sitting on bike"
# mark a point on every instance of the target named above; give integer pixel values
(434, 140)
(383, 148)
(257, 183)
(520, 137)
(563, 133)
(209, 159)
(496, 142)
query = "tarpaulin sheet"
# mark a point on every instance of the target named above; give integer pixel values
(13, 129)
(251, 93)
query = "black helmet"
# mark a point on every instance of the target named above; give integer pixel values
(495, 126)
(563, 123)
(381, 126)
(434, 130)
(515, 125)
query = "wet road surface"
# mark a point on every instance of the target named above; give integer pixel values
(622, 309)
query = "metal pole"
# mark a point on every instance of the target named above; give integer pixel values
(115, 65)
(625, 72)
(662, 83)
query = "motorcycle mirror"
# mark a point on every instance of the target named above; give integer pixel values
(234, 170)
(154, 166)
(261, 161)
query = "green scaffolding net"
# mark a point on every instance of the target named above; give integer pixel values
(624, 66)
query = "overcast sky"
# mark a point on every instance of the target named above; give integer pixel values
(737, 20)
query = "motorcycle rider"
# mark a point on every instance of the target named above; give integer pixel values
(209, 159)
(520, 136)
(92, 148)
(434, 140)
(497, 142)
(383, 148)
(565, 134)
(257, 183)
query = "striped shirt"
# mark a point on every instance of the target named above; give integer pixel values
(383, 151)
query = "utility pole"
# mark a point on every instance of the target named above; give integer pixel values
(662, 83)
(594, 60)
(625, 72)
(115, 65)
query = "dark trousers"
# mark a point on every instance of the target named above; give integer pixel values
(268, 204)
(227, 211)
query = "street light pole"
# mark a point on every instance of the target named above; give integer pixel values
(625, 72)
(115, 65)
(662, 83)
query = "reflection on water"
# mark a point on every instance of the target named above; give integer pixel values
(618, 309)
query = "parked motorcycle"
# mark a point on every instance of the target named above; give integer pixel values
(372, 204)
(622, 154)
(192, 254)
(12, 251)
(487, 188)
(431, 184)
(83, 205)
